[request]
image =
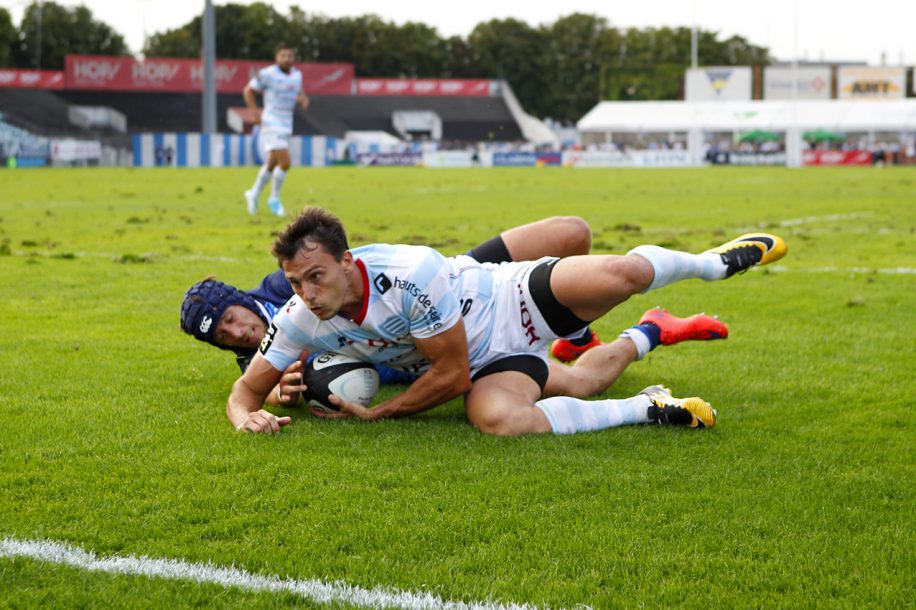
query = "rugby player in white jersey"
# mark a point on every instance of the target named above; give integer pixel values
(474, 329)
(281, 86)
(221, 315)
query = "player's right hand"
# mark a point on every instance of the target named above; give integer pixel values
(257, 116)
(291, 385)
(263, 422)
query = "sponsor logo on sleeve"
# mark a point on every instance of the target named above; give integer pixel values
(432, 314)
(268, 339)
(414, 291)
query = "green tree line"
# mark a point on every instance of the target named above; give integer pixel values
(558, 70)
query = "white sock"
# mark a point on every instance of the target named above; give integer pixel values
(279, 177)
(569, 415)
(672, 266)
(261, 181)
(639, 339)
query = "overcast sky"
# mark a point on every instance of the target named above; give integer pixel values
(828, 29)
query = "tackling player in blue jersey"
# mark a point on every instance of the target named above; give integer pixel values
(281, 86)
(474, 329)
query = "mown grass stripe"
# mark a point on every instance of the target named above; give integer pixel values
(113, 256)
(315, 590)
(225, 259)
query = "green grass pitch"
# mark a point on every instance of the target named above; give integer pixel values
(113, 436)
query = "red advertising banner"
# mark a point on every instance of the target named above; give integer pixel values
(186, 75)
(423, 86)
(836, 157)
(32, 79)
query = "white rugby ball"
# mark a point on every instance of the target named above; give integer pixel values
(333, 373)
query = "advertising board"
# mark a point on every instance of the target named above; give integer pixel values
(423, 86)
(813, 83)
(32, 79)
(836, 157)
(186, 75)
(718, 83)
(863, 83)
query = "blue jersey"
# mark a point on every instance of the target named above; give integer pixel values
(274, 289)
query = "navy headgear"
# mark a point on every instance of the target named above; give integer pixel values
(206, 302)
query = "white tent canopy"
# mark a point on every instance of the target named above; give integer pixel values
(833, 115)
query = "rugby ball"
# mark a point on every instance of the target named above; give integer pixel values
(333, 373)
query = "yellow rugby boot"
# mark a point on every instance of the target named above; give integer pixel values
(751, 249)
(667, 410)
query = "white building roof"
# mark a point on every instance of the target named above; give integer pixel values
(833, 115)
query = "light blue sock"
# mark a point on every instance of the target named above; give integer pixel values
(569, 415)
(261, 181)
(672, 266)
(279, 177)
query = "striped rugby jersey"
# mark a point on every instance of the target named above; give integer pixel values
(280, 91)
(409, 292)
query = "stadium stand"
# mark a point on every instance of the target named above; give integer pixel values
(149, 111)
(47, 113)
(467, 119)
(23, 146)
(43, 112)
(10, 134)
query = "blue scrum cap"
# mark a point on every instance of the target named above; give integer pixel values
(205, 303)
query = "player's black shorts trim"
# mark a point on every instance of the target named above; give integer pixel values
(493, 250)
(561, 320)
(532, 366)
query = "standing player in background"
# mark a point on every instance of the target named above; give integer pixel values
(281, 86)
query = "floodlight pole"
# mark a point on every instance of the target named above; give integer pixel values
(38, 46)
(793, 135)
(694, 135)
(208, 37)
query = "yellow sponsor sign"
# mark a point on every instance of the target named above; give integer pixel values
(871, 83)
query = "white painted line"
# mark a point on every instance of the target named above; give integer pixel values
(794, 222)
(313, 590)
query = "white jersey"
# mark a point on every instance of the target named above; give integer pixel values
(413, 292)
(280, 91)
